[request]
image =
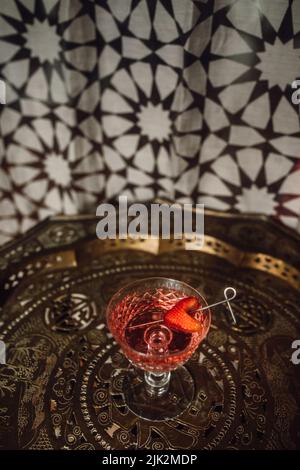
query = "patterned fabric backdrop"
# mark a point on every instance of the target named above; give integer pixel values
(178, 98)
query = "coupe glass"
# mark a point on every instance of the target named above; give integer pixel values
(156, 386)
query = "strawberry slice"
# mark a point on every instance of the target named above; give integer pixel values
(178, 318)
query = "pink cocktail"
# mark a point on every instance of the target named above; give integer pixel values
(135, 317)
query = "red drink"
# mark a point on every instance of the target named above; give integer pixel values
(136, 321)
(151, 319)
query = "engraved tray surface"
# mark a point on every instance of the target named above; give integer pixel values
(60, 388)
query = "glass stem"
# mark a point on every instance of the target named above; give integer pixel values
(157, 383)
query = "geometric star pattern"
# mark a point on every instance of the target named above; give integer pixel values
(190, 102)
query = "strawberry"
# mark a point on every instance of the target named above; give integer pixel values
(177, 318)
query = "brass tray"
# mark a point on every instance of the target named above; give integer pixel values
(59, 388)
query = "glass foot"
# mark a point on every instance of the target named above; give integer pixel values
(149, 402)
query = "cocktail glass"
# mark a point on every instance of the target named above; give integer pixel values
(156, 385)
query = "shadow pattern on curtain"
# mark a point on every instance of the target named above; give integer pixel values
(189, 100)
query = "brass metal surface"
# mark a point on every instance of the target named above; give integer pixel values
(60, 387)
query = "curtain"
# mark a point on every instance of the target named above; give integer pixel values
(189, 100)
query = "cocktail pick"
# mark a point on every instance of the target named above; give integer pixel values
(227, 300)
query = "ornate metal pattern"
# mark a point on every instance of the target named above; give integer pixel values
(61, 385)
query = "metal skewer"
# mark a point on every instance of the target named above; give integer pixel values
(227, 301)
